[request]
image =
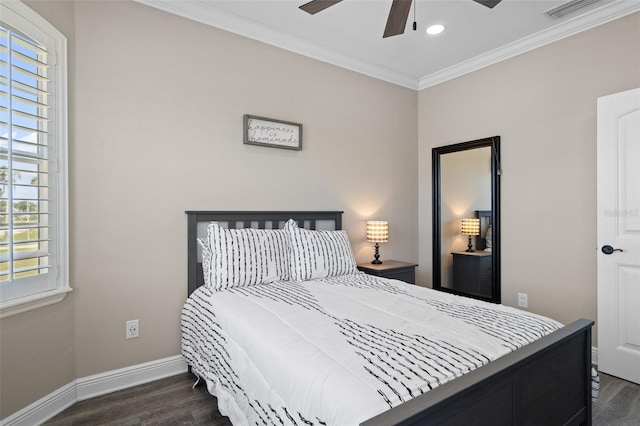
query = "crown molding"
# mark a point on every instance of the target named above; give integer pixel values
(584, 22)
(207, 13)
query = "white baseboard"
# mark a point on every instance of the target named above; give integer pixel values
(44, 408)
(92, 386)
(111, 381)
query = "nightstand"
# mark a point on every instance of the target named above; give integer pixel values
(472, 272)
(393, 269)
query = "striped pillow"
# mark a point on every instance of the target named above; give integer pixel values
(318, 254)
(206, 260)
(243, 257)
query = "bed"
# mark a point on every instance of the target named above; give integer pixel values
(547, 381)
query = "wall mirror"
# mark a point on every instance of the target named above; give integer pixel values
(466, 218)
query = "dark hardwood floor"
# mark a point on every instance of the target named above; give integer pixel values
(618, 403)
(171, 401)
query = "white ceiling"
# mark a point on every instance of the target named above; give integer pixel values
(349, 34)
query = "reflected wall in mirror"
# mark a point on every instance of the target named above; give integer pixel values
(466, 185)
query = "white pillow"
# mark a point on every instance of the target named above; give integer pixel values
(243, 257)
(318, 254)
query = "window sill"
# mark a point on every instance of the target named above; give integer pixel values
(28, 303)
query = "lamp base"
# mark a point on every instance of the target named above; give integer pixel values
(470, 249)
(376, 256)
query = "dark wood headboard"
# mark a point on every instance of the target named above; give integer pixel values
(198, 221)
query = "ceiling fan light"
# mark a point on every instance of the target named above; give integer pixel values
(435, 29)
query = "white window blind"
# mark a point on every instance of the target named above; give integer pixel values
(24, 108)
(30, 144)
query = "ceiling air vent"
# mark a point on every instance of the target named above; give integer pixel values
(568, 7)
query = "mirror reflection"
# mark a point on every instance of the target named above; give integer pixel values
(465, 209)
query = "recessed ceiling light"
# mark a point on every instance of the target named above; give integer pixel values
(435, 29)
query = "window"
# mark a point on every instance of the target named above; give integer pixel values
(33, 175)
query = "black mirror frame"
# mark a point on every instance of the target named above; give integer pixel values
(494, 143)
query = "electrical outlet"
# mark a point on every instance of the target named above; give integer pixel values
(523, 300)
(132, 329)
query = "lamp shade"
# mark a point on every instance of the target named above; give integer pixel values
(471, 226)
(377, 231)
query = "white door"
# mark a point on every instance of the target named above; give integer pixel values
(619, 228)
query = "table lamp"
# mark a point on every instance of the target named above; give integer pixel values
(377, 232)
(470, 227)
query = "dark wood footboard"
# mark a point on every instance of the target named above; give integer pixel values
(547, 382)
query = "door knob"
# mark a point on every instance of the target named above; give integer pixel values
(608, 249)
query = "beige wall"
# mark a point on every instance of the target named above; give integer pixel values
(543, 105)
(156, 124)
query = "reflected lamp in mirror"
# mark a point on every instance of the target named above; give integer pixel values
(470, 227)
(377, 232)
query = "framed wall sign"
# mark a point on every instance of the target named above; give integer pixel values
(270, 132)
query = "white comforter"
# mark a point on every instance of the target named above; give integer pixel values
(340, 350)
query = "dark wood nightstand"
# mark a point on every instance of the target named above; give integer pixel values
(472, 272)
(393, 269)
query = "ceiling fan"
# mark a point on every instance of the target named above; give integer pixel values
(398, 14)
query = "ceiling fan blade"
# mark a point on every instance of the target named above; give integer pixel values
(316, 6)
(489, 3)
(397, 20)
